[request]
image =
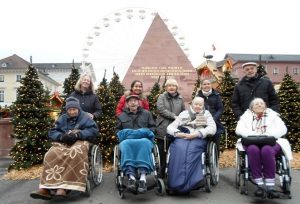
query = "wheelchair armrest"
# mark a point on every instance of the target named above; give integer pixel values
(210, 137)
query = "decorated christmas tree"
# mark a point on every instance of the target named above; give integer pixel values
(69, 85)
(152, 98)
(115, 86)
(107, 122)
(228, 118)
(289, 96)
(261, 70)
(70, 82)
(196, 87)
(31, 120)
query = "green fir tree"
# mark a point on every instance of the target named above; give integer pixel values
(116, 87)
(228, 118)
(107, 122)
(31, 120)
(152, 98)
(196, 87)
(69, 85)
(70, 82)
(261, 70)
(289, 96)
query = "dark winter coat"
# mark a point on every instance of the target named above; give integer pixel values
(89, 102)
(129, 120)
(213, 103)
(248, 89)
(168, 107)
(87, 126)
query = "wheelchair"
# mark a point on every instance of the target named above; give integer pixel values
(210, 166)
(243, 173)
(121, 180)
(95, 173)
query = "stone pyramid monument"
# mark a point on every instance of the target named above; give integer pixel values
(160, 55)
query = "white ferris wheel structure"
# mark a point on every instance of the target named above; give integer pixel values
(105, 45)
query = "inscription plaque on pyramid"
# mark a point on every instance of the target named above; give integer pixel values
(160, 55)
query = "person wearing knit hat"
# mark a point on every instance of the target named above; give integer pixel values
(72, 102)
(72, 130)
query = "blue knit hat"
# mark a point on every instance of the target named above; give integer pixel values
(72, 102)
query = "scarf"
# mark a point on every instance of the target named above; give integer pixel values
(259, 122)
(207, 93)
(196, 119)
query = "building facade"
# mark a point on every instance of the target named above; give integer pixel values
(12, 69)
(277, 65)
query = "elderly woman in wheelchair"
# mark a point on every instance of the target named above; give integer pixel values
(189, 131)
(66, 164)
(261, 130)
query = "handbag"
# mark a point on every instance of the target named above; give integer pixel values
(259, 140)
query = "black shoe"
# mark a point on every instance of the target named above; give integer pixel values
(142, 188)
(260, 192)
(131, 185)
(272, 193)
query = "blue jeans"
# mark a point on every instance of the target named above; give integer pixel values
(130, 170)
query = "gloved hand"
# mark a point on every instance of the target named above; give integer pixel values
(68, 139)
(76, 134)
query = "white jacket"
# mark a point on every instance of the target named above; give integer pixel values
(274, 127)
(210, 129)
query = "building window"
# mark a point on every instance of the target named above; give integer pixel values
(1, 78)
(295, 71)
(1, 96)
(3, 64)
(19, 78)
(275, 70)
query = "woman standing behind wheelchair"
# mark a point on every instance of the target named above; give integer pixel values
(189, 130)
(213, 103)
(262, 121)
(169, 105)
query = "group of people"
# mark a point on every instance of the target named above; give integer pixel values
(181, 131)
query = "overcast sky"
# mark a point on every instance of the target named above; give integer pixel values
(58, 30)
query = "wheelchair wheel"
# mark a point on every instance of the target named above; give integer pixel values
(237, 169)
(121, 194)
(160, 189)
(286, 188)
(243, 185)
(214, 164)
(156, 158)
(116, 160)
(97, 165)
(283, 170)
(208, 185)
(87, 192)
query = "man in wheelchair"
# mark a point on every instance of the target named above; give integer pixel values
(135, 129)
(189, 131)
(261, 130)
(66, 163)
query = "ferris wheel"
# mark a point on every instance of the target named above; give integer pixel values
(103, 47)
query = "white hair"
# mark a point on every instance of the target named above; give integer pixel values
(171, 82)
(197, 99)
(254, 101)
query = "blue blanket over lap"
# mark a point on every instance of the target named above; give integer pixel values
(136, 148)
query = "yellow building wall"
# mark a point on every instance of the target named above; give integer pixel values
(10, 86)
